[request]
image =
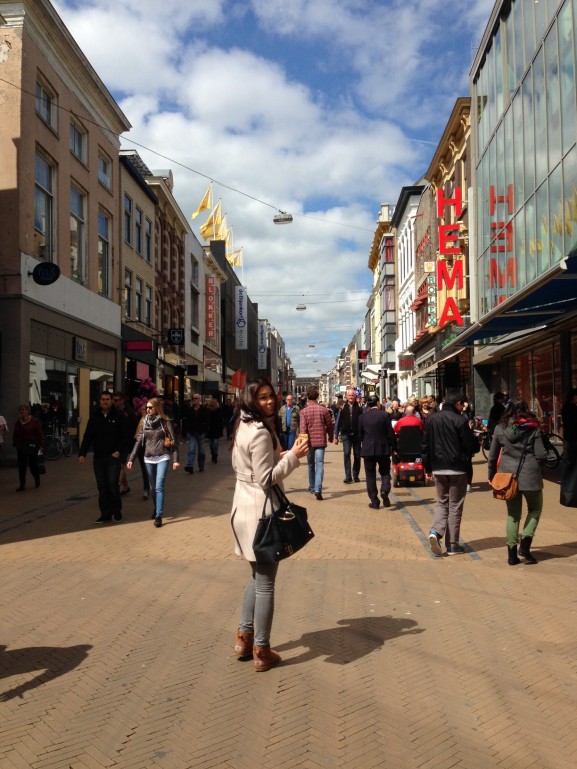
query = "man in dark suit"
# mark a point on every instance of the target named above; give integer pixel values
(377, 444)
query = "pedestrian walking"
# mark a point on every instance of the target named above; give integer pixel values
(28, 440)
(157, 438)
(215, 428)
(569, 419)
(377, 443)
(3, 429)
(289, 416)
(447, 448)
(257, 460)
(347, 428)
(107, 433)
(517, 447)
(317, 423)
(120, 404)
(196, 422)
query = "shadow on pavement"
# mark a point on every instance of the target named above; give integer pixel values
(49, 661)
(353, 640)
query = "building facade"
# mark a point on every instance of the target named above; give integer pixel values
(59, 203)
(523, 87)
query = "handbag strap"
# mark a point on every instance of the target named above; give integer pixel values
(523, 453)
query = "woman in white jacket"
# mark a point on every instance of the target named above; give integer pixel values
(256, 456)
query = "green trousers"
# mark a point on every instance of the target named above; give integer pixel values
(515, 510)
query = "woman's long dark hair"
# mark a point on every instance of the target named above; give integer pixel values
(517, 408)
(248, 403)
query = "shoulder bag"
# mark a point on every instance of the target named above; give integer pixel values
(284, 532)
(168, 442)
(505, 485)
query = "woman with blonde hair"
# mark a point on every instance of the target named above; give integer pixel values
(155, 435)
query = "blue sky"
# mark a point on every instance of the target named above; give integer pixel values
(324, 108)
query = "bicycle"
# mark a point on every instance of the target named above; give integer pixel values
(66, 442)
(52, 447)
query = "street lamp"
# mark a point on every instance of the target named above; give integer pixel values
(301, 307)
(282, 218)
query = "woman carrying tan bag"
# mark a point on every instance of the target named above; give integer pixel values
(517, 448)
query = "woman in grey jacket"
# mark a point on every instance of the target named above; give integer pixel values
(151, 435)
(256, 459)
(517, 439)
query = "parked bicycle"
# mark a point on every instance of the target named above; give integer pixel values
(57, 443)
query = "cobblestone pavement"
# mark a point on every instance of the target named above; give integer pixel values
(117, 640)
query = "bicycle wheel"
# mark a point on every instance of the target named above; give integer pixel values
(486, 446)
(66, 445)
(52, 447)
(553, 457)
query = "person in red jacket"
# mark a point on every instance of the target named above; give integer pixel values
(408, 420)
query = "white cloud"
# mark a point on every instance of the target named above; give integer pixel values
(246, 117)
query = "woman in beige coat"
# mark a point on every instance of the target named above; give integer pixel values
(256, 457)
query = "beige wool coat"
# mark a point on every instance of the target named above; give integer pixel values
(253, 458)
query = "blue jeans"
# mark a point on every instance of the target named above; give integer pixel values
(107, 474)
(195, 442)
(157, 477)
(316, 463)
(351, 443)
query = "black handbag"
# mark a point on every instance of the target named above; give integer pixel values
(284, 532)
(568, 490)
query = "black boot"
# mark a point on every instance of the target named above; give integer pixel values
(512, 560)
(525, 550)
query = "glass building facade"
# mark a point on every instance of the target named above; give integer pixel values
(524, 101)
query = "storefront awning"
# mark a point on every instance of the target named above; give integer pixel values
(545, 301)
(433, 369)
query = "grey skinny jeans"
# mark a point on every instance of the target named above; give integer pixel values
(258, 603)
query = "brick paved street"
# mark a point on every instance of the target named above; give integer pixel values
(116, 640)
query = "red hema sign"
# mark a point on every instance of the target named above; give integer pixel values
(449, 246)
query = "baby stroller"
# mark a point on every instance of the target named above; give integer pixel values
(407, 466)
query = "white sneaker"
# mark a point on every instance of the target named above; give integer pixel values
(435, 542)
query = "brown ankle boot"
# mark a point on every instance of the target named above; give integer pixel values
(264, 658)
(243, 645)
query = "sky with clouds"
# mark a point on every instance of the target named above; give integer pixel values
(322, 108)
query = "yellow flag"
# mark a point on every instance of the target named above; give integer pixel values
(235, 258)
(222, 230)
(210, 228)
(205, 203)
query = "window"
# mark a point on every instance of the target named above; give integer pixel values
(148, 240)
(104, 171)
(128, 293)
(128, 220)
(138, 302)
(138, 230)
(78, 142)
(43, 209)
(194, 271)
(195, 307)
(104, 268)
(148, 306)
(77, 236)
(46, 104)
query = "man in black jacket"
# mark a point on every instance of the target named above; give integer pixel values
(447, 449)
(107, 432)
(196, 424)
(377, 443)
(347, 428)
